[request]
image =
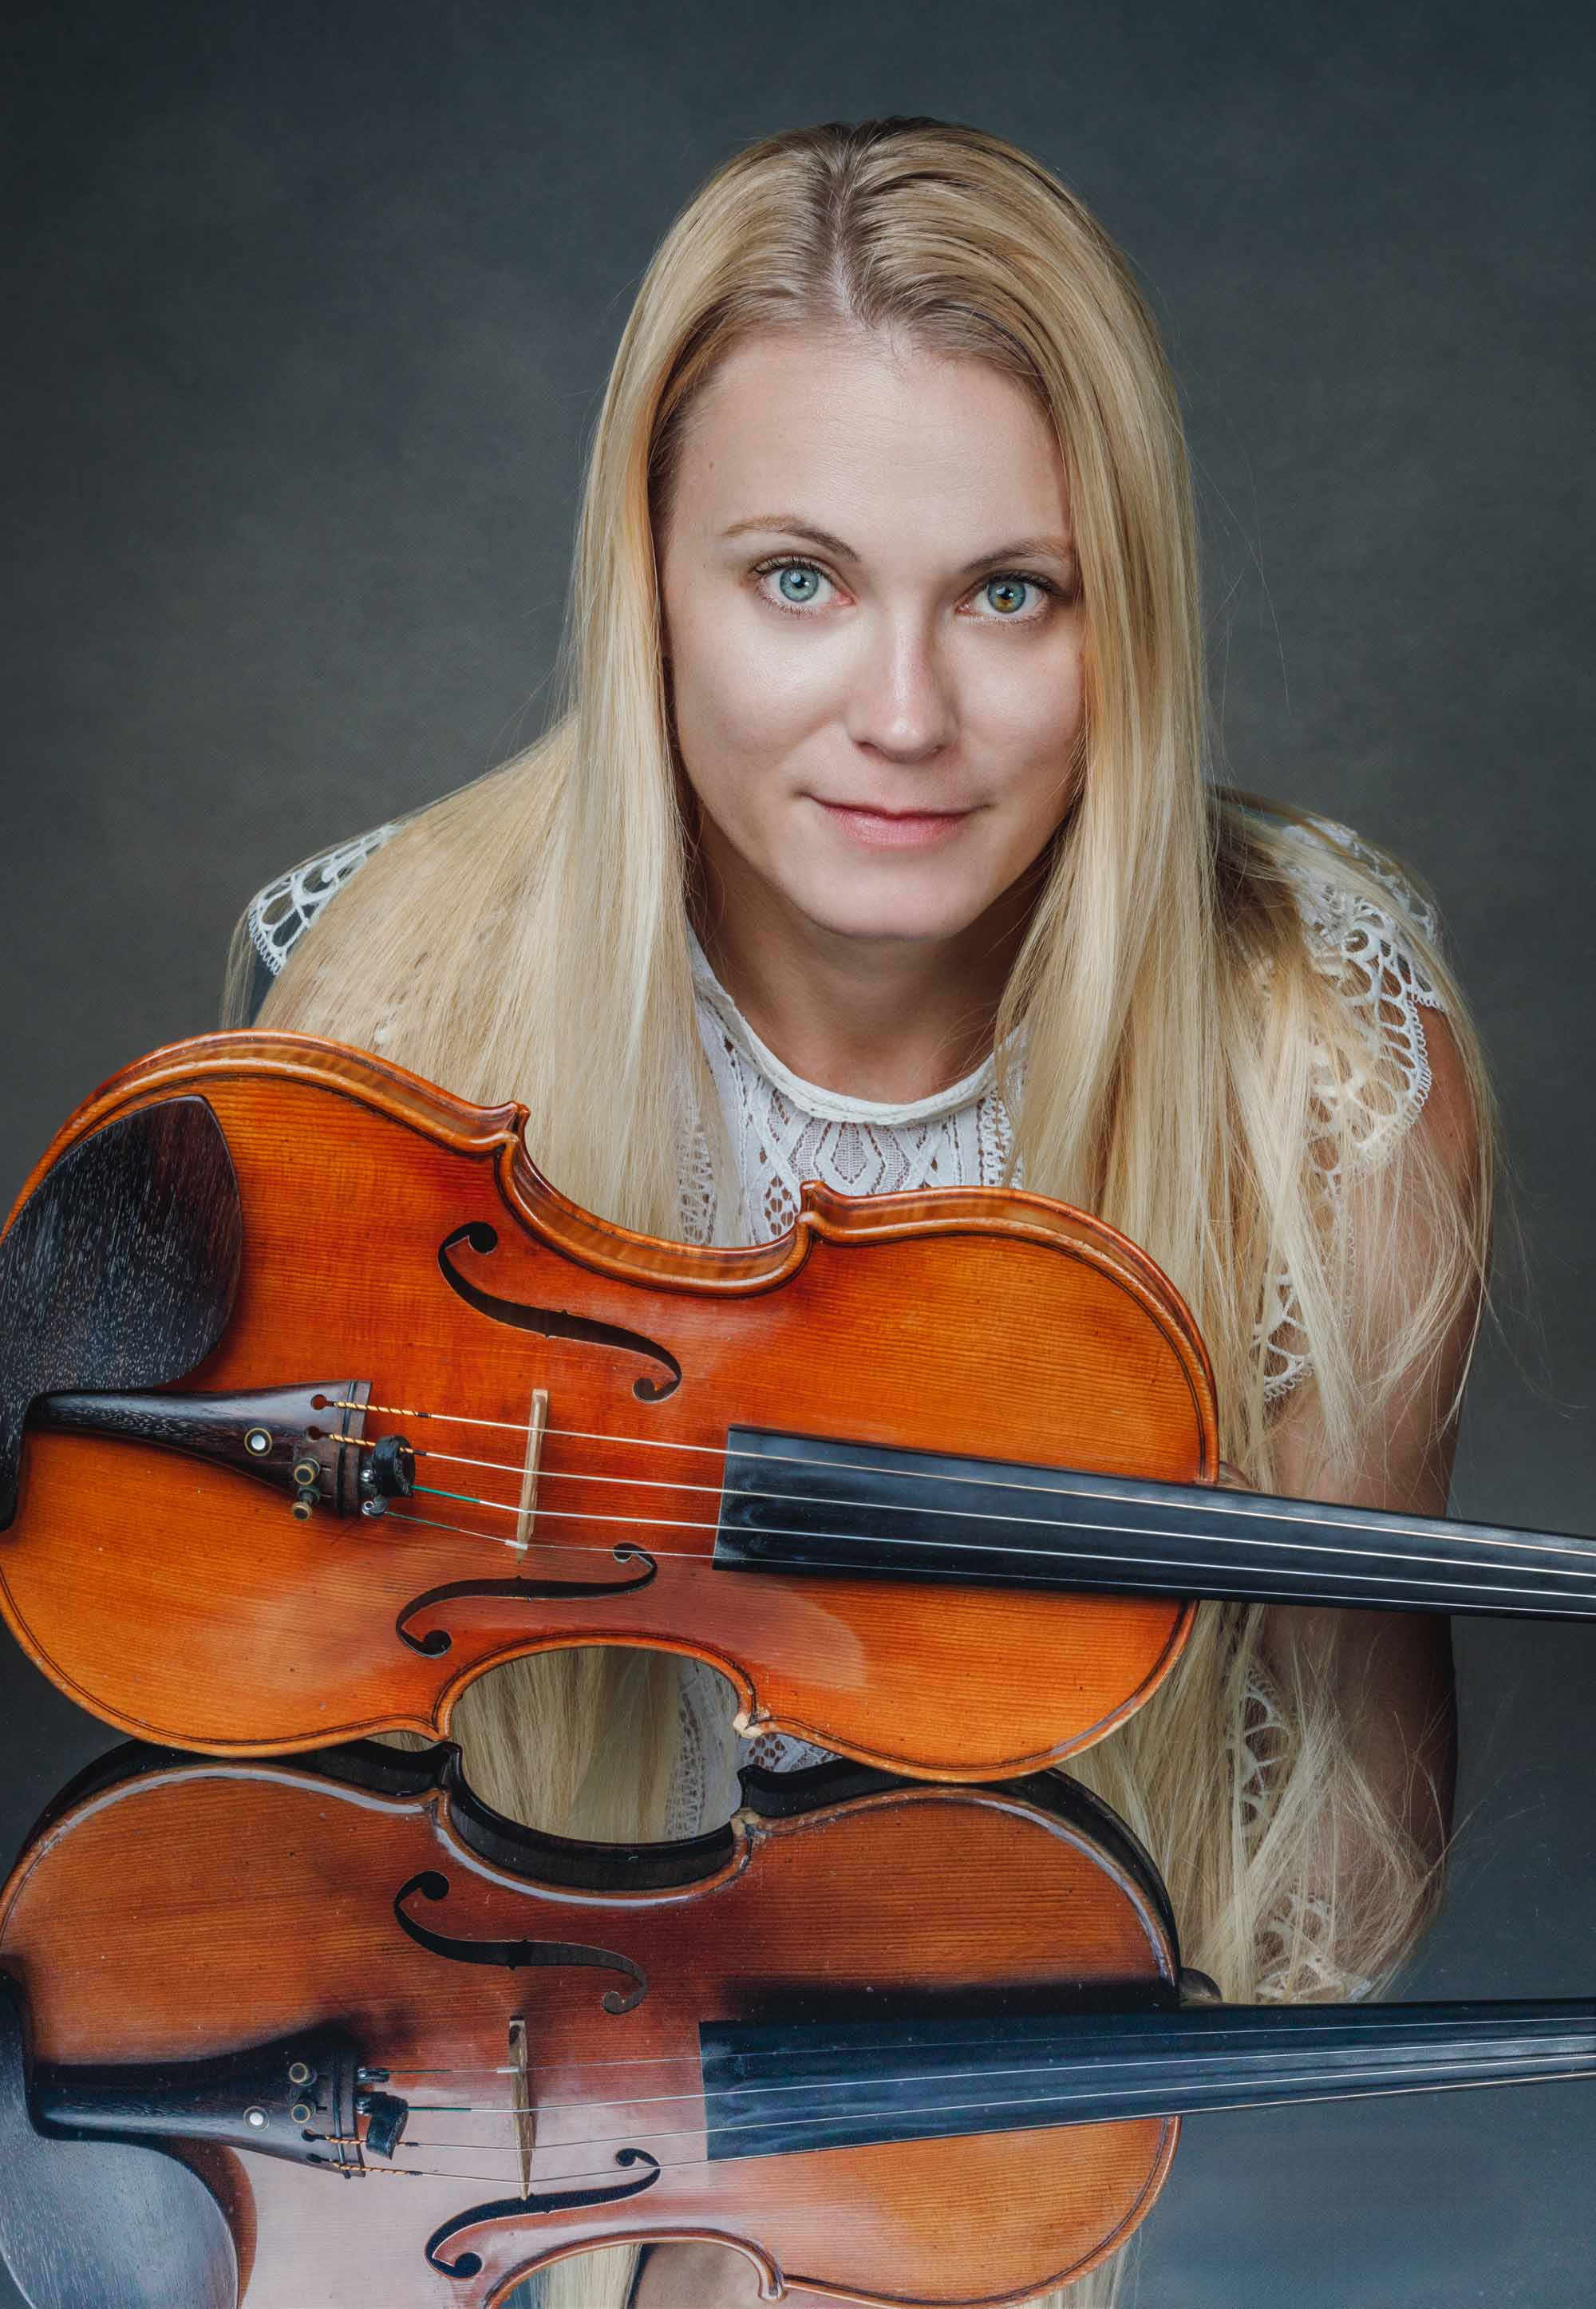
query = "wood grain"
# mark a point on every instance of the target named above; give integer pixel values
(184, 1603)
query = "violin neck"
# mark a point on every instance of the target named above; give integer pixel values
(775, 2090)
(800, 1504)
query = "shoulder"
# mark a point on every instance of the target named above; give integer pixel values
(1371, 936)
(1361, 910)
(1373, 1033)
(279, 915)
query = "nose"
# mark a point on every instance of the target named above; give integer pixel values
(900, 702)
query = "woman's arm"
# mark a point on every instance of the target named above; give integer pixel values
(1391, 1671)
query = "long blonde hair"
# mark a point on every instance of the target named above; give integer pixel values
(1192, 1070)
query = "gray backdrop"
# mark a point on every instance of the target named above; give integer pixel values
(309, 312)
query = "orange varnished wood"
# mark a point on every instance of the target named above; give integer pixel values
(184, 1603)
(202, 1907)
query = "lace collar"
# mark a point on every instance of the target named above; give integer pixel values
(811, 1098)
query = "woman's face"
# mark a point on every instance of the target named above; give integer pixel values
(874, 634)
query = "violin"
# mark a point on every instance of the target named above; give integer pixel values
(316, 1401)
(370, 2041)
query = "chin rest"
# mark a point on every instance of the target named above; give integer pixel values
(121, 1268)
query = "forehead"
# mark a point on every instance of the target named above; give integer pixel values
(871, 436)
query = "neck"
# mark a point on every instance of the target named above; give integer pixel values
(802, 1503)
(886, 1019)
(774, 2091)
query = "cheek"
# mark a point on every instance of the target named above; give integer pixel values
(742, 703)
(1027, 728)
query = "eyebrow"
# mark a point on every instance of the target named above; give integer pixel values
(1023, 548)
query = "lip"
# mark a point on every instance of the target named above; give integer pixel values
(892, 829)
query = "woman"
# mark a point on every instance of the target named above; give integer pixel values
(873, 843)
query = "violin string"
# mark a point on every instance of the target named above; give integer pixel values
(805, 1499)
(781, 2054)
(513, 2181)
(891, 1539)
(1302, 2041)
(1570, 2043)
(568, 1474)
(1321, 2026)
(1088, 1559)
(1196, 1498)
(493, 1538)
(1553, 2065)
(566, 2069)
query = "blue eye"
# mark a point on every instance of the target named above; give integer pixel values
(1006, 594)
(798, 582)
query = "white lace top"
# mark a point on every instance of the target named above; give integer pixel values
(784, 1131)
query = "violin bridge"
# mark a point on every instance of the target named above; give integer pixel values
(537, 1423)
(521, 2104)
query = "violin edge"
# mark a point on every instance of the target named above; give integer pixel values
(774, 1804)
(497, 1133)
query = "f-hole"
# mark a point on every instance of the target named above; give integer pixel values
(431, 1884)
(540, 2200)
(552, 1322)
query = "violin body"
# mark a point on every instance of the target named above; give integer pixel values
(171, 1910)
(563, 1392)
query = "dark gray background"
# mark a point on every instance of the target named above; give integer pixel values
(309, 312)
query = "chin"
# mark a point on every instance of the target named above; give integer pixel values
(883, 912)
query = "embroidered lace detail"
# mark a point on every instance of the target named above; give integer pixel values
(1278, 1337)
(1294, 1961)
(773, 1751)
(1265, 1741)
(709, 1753)
(696, 1171)
(1360, 947)
(704, 1790)
(784, 1131)
(279, 916)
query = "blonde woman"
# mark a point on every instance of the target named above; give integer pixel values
(873, 843)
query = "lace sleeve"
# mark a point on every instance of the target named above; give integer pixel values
(1296, 1958)
(1367, 950)
(278, 917)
